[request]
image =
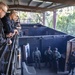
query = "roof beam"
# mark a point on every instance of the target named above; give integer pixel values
(58, 7)
(26, 10)
(70, 2)
(32, 8)
(27, 7)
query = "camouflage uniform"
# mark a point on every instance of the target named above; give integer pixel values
(71, 63)
(56, 56)
(48, 57)
(37, 58)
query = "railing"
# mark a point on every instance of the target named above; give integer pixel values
(11, 56)
(6, 57)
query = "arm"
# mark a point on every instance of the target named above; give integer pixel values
(59, 55)
(7, 25)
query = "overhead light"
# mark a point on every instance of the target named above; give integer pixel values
(38, 0)
(48, 2)
(42, 1)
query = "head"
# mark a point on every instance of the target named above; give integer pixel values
(16, 19)
(49, 47)
(36, 48)
(3, 9)
(13, 15)
(73, 53)
(56, 49)
(73, 49)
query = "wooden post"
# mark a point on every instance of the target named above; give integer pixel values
(54, 19)
(68, 52)
(43, 18)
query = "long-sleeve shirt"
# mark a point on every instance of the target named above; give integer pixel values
(7, 25)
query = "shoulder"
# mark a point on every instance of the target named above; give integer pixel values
(5, 18)
(39, 51)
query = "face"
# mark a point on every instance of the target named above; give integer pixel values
(37, 48)
(49, 48)
(3, 11)
(14, 17)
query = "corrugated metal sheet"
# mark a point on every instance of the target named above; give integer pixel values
(35, 5)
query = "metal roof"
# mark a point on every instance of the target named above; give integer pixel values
(38, 5)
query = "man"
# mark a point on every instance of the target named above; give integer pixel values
(8, 22)
(17, 23)
(71, 62)
(37, 57)
(48, 56)
(3, 10)
(56, 57)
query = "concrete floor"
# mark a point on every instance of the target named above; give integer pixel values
(45, 71)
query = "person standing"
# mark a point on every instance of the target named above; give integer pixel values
(48, 56)
(71, 63)
(3, 11)
(56, 57)
(37, 58)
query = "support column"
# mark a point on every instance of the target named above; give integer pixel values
(54, 19)
(43, 18)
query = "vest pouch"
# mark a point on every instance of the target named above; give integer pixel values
(2, 40)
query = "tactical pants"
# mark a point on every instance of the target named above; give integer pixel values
(37, 63)
(71, 68)
(55, 66)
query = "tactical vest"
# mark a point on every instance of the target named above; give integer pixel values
(2, 35)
